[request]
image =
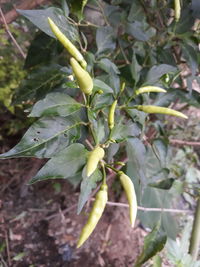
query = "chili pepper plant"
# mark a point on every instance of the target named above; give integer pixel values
(108, 115)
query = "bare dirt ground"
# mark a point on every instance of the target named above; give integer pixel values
(39, 226)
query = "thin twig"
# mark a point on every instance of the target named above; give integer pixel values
(7, 247)
(184, 142)
(149, 209)
(63, 211)
(89, 144)
(2, 261)
(102, 12)
(10, 34)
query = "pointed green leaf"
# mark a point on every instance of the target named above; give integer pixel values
(65, 164)
(100, 85)
(39, 82)
(108, 66)
(137, 156)
(45, 138)
(140, 30)
(55, 104)
(39, 19)
(65, 8)
(153, 243)
(165, 184)
(42, 50)
(122, 131)
(156, 72)
(105, 39)
(88, 183)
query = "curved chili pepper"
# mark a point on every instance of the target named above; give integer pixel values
(161, 110)
(130, 194)
(84, 80)
(94, 157)
(95, 214)
(148, 89)
(111, 115)
(67, 44)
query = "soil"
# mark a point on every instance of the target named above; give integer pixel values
(39, 226)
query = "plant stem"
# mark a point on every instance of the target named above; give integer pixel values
(195, 237)
(104, 173)
(112, 168)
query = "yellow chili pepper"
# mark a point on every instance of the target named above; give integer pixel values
(161, 110)
(67, 44)
(177, 10)
(95, 214)
(148, 89)
(84, 80)
(94, 157)
(111, 115)
(130, 194)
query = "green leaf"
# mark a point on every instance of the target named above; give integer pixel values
(19, 256)
(160, 149)
(165, 184)
(153, 243)
(66, 164)
(155, 198)
(140, 31)
(45, 138)
(137, 156)
(156, 72)
(100, 85)
(38, 83)
(77, 7)
(177, 250)
(185, 23)
(39, 19)
(191, 56)
(105, 39)
(108, 66)
(196, 8)
(55, 104)
(152, 198)
(157, 261)
(65, 8)
(166, 99)
(136, 12)
(102, 101)
(135, 68)
(137, 116)
(42, 50)
(121, 131)
(112, 150)
(88, 183)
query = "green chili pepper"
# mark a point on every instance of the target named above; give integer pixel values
(111, 115)
(148, 89)
(94, 157)
(67, 44)
(95, 214)
(177, 10)
(161, 110)
(130, 194)
(84, 80)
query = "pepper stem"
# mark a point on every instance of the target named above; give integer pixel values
(112, 168)
(104, 173)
